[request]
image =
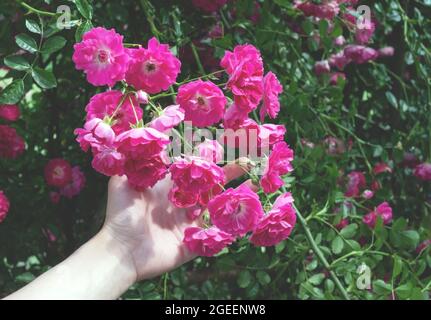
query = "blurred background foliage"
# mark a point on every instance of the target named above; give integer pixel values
(381, 111)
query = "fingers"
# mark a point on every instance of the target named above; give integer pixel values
(251, 185)
(236, 169)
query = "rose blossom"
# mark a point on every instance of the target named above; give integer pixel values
(383, 210)
(202, 101)
(141, 143)
(245, 68)
(94, 134)
(270, 134)
(211, 150)
(423, 171)
(423, 245)
(196, 175)
(101, 56)
(381, 168)
(153, 69)
(342, 224)
(107, 105)
(360, 54)
(236, 211)
(58, 172)
(74, 187)
(321, 67)
(333, 80)
(206, 242)
(279, 164)
(143, 173)
(9, 112)
(11, 144)
(4, 206)
(55, 197)
(234, 117)
(386, 52)
(277, 225)
(367, 194)
(271, 90)
(364, 34)
(355, 182)
(171, 117)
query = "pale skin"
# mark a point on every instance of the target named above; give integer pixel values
(140, 239)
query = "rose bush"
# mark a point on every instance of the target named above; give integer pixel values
(343, 104)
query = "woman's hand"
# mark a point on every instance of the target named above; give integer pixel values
(148, 227)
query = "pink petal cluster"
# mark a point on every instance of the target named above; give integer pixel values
(12, 144)
(206, 242)
(4, 206)
(113, 105)
(355, 182)
(153, 69)
(102, 57)
(342, 224)
(383, 210)
(381, 167)
(325, 10)
(193, 177)
(423, 171)
(211, 150)
(271, 90)
(279, 164)
(9, 112)
(171, 117)
(209, 5)
(202, 101)
(360, 54)
(236, 211)
(245, 68)
(75, 186)
(58, 172)
(423, 245)
(277, 224)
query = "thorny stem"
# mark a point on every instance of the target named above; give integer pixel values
(319, 253)
(37, 11)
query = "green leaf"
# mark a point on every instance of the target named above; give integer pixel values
(33, 26)
(398, 267)
(391, 98)
(16, 62)
(12, 93)
(25, 277)
(53, 44)
(317, 279)
(410, 239)
(83, 28)
(263, 277)
(349, 231)
(244, 279)
(337, 245)
(26, 42)
(44, 78)
(84, 9)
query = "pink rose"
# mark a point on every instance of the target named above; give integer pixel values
(4, 206)
(171, 117)
(101, 56)
(153, 69)
(58, 172)
(271, 90)
(74, 187)
(12, 144)
(355, 182)
(10, 112)
(423, 171)
(383, 210)
(277, 225)
(236, 211)
(202, 101)
(141, 143)
(143, 173)
(211, 150)
(206, 242)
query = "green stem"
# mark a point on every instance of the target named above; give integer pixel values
(34, 10)
(198, 60)
(319, 253)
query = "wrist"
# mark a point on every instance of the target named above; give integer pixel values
(119, 257)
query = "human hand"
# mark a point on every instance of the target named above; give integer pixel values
(148, 228)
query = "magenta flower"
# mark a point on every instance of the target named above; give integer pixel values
(279, 164)
(360, 54)
(153, 69)
(355, 182)
(423, 171)
(277, 225)
(381, 167)
(108, 105)
(211, 150)
(101, 56)
(202, 101)
(4, 206)
(58, 172)
(270, 134)
(171, 117)
(321, 67)
(271, 90)
(75, 186)
(142, 143)
(383, 210)
(11, 143)
(245, 68)
(236, 211)
(143, 173)
(9, 112)
(206, 242)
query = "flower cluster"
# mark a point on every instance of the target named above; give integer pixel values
(12, 144)
(129, 134)
(68, 181)
(362, 29)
